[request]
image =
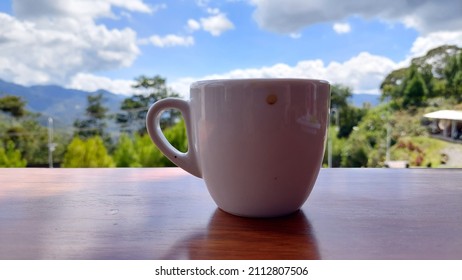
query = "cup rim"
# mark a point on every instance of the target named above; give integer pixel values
(201, 83)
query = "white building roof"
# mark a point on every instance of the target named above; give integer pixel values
(445, 115)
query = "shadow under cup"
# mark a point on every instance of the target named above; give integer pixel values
(234, 238)
(258, 143)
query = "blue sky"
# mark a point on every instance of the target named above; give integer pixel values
(93, 44)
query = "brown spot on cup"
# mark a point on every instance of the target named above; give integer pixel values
(271, 99)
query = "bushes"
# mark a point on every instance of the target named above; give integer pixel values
(420, 151)
(87, 153)
(10, 156)
(125, 154)
(136, 151)
(337, 148)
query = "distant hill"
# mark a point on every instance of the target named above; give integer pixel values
(358, 99)
(62, 104)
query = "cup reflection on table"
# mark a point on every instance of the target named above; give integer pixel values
(232, 237)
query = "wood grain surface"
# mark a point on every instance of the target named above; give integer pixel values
(165, 213)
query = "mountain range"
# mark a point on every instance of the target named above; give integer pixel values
(62, 104)
(66, 105)
(360, 99)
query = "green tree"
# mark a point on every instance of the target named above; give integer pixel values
(95, 122)
(337, 148)
(125, 154)
(415, 89)
(30, 138)
(366, 146)
(135, 107)
(436, 59)
(452, 74)
(355, 152)
(87, 153)
(391, 87)
(340, 96)
(22, 128)
(348, 115)
(348, 119)
(176, 135)
(431, 83)
(155, 88)
(150, 156)
(10, 156)
(13, 105)
(430, 76)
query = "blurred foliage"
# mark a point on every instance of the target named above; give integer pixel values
(89, 152)
(125, 154)
(141, 151)
(337, 148)
(343, 114)
(28, 136)
(436, 74)
(420, 151)
(366, 146)
(10, 156)
(13, 105)
(452, 75)
(148, 153)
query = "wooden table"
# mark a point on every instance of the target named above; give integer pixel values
(168, 214)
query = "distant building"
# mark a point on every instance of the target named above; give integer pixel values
(446, 123)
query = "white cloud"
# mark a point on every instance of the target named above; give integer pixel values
(83, 9)
(426, 15)
(90, 82)
(202, 3)
(425, 43)
(295, 35)
(51, 41)
(193, 25)
(156, 7)
(429, 41)
(169, 41)
(342, 28)
(363, 73)
(213, 11)
(181, 86)
(216, 23)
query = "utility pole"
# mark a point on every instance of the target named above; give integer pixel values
(387, 155)
(329, 143)
(51, 145)
(329, 150)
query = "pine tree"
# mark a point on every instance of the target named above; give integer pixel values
(415, 89)
(95, 122)
(151, 89)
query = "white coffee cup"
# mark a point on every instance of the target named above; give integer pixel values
(257, 143)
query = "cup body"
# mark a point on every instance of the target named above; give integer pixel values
(258, 143)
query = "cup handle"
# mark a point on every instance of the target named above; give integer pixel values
(187, 161)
